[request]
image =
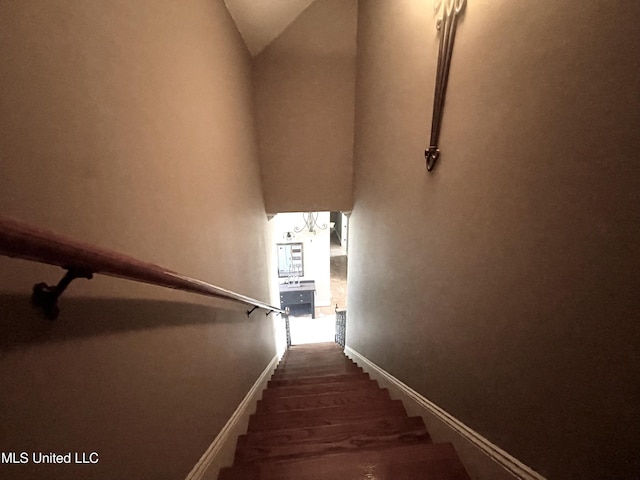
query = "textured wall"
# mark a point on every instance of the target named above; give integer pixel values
(129, 125)
(503, 286)
(304, 82)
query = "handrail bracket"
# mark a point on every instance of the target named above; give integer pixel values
(46, 297)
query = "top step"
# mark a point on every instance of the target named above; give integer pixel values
(315, 347)
(317, 351)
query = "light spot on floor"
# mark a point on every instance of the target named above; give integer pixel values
(312, 330)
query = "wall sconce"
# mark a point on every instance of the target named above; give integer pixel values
(447, 24)
(310, 223)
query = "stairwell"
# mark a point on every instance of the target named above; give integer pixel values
(322, 417)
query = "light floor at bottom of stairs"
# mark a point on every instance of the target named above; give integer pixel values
(321, 417)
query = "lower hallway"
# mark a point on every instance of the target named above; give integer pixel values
(338, 273)
(304, 329)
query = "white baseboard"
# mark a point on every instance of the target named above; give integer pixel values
(221, 451)
(482, 459)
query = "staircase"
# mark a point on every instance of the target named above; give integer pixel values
(321, 417)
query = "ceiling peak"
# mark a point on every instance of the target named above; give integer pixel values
(260, 22)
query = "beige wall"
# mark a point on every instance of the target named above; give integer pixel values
(129, 125)
(504, 286)
(304, 83)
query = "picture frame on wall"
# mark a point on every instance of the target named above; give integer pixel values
(290, 260)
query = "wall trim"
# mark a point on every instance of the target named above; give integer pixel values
(511, 464)
(228, 432)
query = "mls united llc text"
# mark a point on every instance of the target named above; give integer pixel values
(51, 457)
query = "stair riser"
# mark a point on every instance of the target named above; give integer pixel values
(277, 392)
(375, 405)
(318, 380)
(317, 366)
(326, 364)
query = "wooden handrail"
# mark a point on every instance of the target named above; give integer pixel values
(20, 240)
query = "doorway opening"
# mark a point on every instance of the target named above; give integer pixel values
(312, 269)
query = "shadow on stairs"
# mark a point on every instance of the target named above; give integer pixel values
(321, 417)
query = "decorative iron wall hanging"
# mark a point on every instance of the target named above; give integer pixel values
(446, 24)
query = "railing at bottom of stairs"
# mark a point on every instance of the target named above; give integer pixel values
(341, 327)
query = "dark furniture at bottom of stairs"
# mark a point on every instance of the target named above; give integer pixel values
(299, 297)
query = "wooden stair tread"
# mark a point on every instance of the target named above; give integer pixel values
(376, 404)
(297, 368)
(328, 357)
(310, 372)
(331, 399)
(315, 360)
(317, 441)
(326, 353)
(383, 425)
(290, 369)
(329, 387)
(301, 350)
(324, 416)
(314, 353)
(314, 346)
(412, 462)
(342, 377)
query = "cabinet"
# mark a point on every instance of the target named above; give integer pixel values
(299, 297)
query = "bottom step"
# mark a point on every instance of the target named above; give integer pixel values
(416, 462)
(299, 443)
